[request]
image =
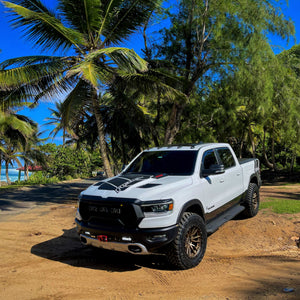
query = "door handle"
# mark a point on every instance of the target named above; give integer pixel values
(221, 180)
(238, 174)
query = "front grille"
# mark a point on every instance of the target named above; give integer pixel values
(110, 213)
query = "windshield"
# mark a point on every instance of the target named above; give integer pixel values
(169, 162)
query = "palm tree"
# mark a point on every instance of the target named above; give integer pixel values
(31, 154)
(15, 131)
(57, 119)
(90, 33)
(10, 151)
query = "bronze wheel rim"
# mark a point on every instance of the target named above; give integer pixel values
(255, 201)
(193, 242)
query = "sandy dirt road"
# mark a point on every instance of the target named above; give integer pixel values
(41, 257)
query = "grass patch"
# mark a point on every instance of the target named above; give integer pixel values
(7, 187)
(288, 185)
(281, 206)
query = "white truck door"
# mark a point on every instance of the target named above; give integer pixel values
(232, 185)
(211, 188)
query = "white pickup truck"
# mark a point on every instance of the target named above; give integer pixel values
(167, 200)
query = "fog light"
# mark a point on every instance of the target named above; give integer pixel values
(126, 239)
(157, 238)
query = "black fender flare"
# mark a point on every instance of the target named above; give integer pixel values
(256, 180)
(196, 206)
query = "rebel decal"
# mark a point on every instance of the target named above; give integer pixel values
(122, 182)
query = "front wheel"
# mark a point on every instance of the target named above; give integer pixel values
(251, 201)
(188, 248)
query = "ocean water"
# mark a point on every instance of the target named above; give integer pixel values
(13, 174)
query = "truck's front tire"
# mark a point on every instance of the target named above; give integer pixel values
(188, 248)
(251, 201)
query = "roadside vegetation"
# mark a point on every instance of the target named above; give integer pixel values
(281, 205)
(208, 73)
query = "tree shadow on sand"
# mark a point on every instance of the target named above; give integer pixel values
(67, 249)
(28, 196)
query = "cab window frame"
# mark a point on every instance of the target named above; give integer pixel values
(220, 159)
(204, 156)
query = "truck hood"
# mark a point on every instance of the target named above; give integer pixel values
(137, 186)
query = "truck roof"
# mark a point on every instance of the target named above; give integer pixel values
(186, 146)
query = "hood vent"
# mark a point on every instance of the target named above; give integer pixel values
(149, 185)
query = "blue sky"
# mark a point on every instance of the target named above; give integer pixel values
(13, 45)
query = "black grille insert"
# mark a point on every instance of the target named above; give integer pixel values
(111, 213)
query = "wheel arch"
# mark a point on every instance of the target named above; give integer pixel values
(254, 179)
(194, 206)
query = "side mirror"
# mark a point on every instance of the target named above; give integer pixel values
(213, 170)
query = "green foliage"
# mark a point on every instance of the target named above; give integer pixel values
(68, 162)
(281, 206)
(40, 177)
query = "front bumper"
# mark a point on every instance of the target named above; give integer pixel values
(135, 241)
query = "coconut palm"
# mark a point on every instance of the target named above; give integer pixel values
(10, 152)
(57, 119)
(88, 33)
(15, 131)
(31, 154)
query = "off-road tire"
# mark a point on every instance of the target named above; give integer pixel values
(251, 201)
(188, 248)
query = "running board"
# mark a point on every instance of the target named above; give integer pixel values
(229, 214)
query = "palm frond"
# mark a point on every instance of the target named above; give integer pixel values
(84, 16)
(35, 59)
(152, 82)
(42, 28)
(56, 87)
(75, 101)
(92, 72)
(123, 17)
(30, 73)
(126, 59)
(14, 122)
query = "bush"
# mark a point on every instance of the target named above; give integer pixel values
(67, 162)
(41, 177)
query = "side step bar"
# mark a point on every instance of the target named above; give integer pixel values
(229, 214)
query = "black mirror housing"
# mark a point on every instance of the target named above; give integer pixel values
(213, 170)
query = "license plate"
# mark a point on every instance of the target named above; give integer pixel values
(105, 210)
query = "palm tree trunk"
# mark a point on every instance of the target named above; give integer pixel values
(64, 136)
(6, 172)
(102, 143)
(26, 174)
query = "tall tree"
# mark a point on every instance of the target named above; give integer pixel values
(91, 31)
(207, 38)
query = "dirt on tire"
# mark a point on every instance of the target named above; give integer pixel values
(42, 258)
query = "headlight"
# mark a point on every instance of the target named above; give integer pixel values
(157, 208)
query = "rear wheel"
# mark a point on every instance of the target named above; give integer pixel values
(251, 202)
(188, 248)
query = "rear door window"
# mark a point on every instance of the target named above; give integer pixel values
(226, 157)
